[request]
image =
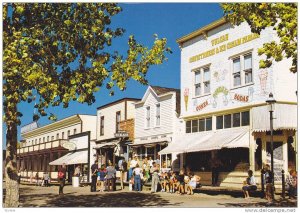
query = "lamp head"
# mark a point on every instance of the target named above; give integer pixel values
(271, 101)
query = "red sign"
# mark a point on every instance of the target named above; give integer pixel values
(241, 98)
(202, 106)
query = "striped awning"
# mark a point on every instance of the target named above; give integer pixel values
(78, 157)
(285, 117)
(212, 140)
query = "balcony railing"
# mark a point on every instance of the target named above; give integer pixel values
(41, 146)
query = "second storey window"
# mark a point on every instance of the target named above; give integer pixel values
(118, 120)
(69, 132)
(52, 138)
(242, 70)
(233, 120)
(148, 117)
(74, 131)
(47, 138)
(62, 135)
(202, 81)
(157, 114)
(57, 136)
(236, 72)
(102, 125)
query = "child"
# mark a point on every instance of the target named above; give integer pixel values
(180, 179)
(172, 182)
(191, 185)
(102, 174)
(165, 182)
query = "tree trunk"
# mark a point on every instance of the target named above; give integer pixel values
(11, 174)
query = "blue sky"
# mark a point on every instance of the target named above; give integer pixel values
(169, 20)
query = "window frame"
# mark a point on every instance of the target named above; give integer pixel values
(118, 115)
(202, 84)
(243, 72)
(148, 117)
(102, 125)
(157, 115)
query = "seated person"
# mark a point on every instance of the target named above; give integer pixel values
(249, 184)
(165, 182)
(173, 182)
(291, 184)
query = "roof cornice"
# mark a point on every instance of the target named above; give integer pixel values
(201, 31)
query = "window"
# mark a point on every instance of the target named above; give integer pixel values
(69, 132)
(236, 119)
(248, 68)
(40, 140)
(52, 138)
(245, 118)
(47, 138)
(206, 80)
(202, 81)
(201, 125)
(74, 131)
(43, 139)
(35, 142)
(57, 136)
(197, 83)
(118, 120)
(194, 125)
(157, 114)
(148, 117)
(101, 125)
(236, 72)
(63, 135)
(188, 126)
(208, 124)
(227, 121)
(220, 122)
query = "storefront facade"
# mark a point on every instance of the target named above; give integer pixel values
(156, 124)
(223, 103)
(115, 130)
(42, 145)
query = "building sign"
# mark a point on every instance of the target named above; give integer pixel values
(223, 47)
(202, 106)
(29, 127)
(121, 134)
(241, 98)
(69, 145)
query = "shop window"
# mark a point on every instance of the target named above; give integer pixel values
(194, 125)
(220, 122)
(101, 125)
(198, 161)
(201, 125)
(208, 124)
(236, 119)
(245, 118)
(227, 121)
(188, 126)
(234, 159)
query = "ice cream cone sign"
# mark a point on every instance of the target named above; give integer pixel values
(186, 97)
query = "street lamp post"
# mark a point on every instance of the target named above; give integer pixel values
(271, 103)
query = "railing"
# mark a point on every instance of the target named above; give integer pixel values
(41, 146)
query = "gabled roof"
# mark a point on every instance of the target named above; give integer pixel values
(117, 102)
(161, 91)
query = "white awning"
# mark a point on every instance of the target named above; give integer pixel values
(206, 141)
(106, 145)
(285, 117)
(78, 157)
(151, 141)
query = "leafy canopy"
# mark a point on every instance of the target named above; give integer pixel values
(282, 17)
(55, 52)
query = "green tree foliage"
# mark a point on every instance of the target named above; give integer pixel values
(56, 53)
(282, 17)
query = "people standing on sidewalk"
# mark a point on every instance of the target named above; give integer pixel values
(268, 179)
(291, 184)
(61, 178)
(102, 173)
(155, 178)
(122, 167)
(94, 170)
(110, 176)
(46, 179)
(215, 164)
(133, 163)
(249, 184)
(37, 178)
(137, 172)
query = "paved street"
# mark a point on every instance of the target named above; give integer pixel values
(33, 196)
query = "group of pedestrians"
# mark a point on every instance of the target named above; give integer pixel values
(103, 178)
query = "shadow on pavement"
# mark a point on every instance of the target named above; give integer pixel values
(123, 199)
(277, 203)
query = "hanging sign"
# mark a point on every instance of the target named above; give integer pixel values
(121, 134)
(69, 145)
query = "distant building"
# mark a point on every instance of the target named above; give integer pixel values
(65, 141)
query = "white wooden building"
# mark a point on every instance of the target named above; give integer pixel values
(156, 123)
(223, 103)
